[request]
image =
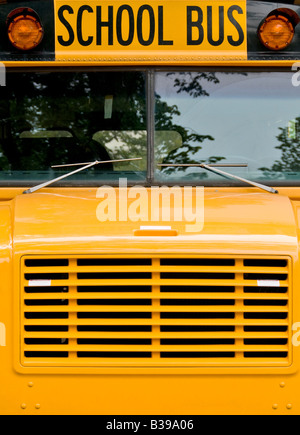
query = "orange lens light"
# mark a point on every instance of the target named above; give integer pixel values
(276, 32)
(25, 31)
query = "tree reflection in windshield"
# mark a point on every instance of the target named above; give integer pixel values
(54, 118)
(193, 84)
(66, 117)
(289, 164)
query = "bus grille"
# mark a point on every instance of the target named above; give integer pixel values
(160, 312)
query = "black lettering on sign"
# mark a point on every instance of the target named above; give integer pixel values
(238, 27)
(109, 24)
(121, 40)
(210, 29)
(140, 19)
(67, 25)
(194, 23)
(82, 41)
(161, 40)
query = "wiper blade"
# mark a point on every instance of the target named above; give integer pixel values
(212, 168)
(86, 166)
(211, 165)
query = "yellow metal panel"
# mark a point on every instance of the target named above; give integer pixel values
(184, 386)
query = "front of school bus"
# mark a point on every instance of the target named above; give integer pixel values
(150, 206)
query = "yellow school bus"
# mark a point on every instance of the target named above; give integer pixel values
(149, 207)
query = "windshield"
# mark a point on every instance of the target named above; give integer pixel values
(246, 121)
(58, 118)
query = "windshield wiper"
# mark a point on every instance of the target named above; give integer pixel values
(86, 166)
(212, 168)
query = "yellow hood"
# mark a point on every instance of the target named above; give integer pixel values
(66, 221)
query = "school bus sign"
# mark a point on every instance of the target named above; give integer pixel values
(150, 31)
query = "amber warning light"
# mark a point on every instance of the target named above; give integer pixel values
(24, 29)
(277, 31)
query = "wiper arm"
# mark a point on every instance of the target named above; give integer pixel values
(86, 166)
(212, 168)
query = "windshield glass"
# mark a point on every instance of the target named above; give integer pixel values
(249, 122)
(58, 118)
